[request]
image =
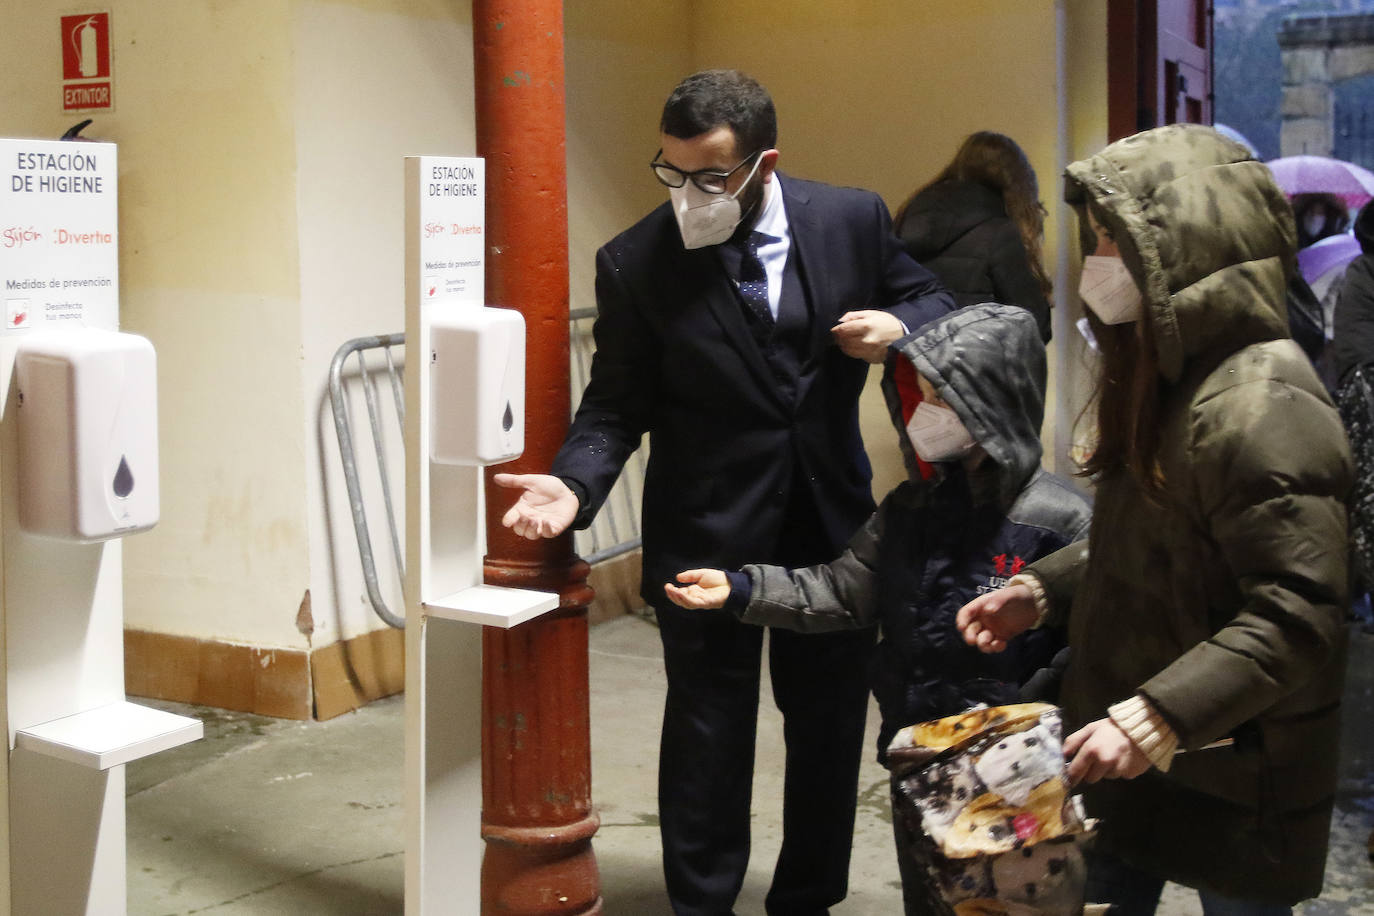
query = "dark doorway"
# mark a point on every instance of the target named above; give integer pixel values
(1159, 64)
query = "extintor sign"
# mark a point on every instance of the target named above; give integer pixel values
(87, 83)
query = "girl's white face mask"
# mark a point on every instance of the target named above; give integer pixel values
(1108, 288)
(937, 433)
(707, 219)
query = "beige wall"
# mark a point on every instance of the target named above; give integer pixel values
(373, 82)
(261, 209)
(622, 59)
(261, 220)
(1084, 90)
(880, 94)
(207, 206)
(260, 201)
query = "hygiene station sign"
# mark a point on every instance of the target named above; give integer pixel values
(59, 235)
(447, 206)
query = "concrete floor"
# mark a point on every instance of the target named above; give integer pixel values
(266, 817)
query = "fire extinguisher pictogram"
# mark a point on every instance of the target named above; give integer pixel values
(86, 41)
(86, 46)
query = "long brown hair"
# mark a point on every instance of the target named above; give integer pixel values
(1127, 401)
(1128, 388)
(995, 161)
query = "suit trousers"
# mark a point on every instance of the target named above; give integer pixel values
(706, 759)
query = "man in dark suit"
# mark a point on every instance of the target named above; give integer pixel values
(733, 326)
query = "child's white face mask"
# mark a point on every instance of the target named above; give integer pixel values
(1108, 288)
(937, 434)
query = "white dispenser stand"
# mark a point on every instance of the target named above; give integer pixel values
(447, 604)
(70, 729)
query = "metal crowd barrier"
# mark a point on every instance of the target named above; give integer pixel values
(338, 398)
(614, 532)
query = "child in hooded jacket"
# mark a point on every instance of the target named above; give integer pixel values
(966, 395)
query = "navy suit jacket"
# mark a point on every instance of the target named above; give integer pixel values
(675, 358)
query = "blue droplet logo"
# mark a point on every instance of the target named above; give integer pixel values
(123, 480)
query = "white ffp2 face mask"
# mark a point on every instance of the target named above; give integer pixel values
(1108, 288)
(707, 219)
(937, 433)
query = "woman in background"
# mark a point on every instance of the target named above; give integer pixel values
(1318, 216)
(978, 227)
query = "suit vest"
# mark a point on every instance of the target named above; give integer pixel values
(785, 344)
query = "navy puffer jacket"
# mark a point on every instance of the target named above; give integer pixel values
(935, 543)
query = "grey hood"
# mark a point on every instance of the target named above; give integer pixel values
(988, 363)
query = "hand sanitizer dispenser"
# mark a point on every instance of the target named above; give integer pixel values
(87, 431)
(477, 385)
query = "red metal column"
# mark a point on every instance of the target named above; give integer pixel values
(537, 818)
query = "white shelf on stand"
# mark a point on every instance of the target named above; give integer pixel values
(492, 605)
(110, 735)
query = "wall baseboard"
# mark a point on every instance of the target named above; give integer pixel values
(616, 583)
(354, 672)
(270, 682)
(310, 684)
(284, 683)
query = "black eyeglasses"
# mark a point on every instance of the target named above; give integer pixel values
(712, 182)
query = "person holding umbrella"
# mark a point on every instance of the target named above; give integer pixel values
(1346, 181)
(1208, 614)
(1323, 192)
(1318, 216)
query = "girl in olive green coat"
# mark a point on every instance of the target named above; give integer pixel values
(1206, 620)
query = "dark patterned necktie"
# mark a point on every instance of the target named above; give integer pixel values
(753, 279)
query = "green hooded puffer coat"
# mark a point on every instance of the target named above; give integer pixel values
(1224, 605)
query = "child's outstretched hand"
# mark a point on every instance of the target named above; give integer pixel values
(702, 589)
(992, 618)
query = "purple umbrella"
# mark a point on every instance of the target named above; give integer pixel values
(1331, 252)
(1323, 175)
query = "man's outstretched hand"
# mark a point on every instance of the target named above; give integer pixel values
(544, 510)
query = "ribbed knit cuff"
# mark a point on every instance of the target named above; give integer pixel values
(1037, 590)
(1146, 729)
